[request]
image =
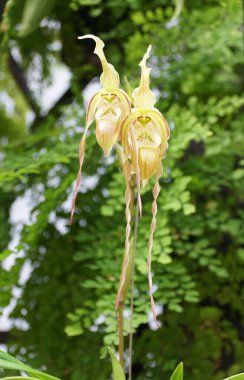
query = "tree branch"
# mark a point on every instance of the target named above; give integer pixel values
(21, 82)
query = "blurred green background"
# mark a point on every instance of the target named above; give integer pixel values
(58, 284)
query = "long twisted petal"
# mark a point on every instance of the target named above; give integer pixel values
(90, 114)
(156, 191)
(127, 174)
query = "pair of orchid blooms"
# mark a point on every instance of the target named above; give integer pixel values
(143, 133)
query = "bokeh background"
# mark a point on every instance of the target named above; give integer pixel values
(57, 283)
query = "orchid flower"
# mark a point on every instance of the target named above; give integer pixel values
(108, 107)
(144, 137)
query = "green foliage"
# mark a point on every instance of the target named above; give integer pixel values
(117, 370)
(178, 373)
(34, 12)
(9, 362)
(240, 376)
(68, 301)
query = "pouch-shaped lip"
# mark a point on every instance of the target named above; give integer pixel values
(146, 136)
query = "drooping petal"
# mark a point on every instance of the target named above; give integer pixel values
(78, 179)
(92, 106)
(109, 77)
(90, 115)
(156, 191)
(127, 175)
(143, 96)
(125, 131)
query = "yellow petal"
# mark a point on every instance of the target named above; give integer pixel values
(92, 107)
(161, 127)
(125, 130)
(125, 104)
(143, 96)
(109, 77)
(120, 155)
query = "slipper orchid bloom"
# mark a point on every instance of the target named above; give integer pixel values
(145, 133)
(108, 107)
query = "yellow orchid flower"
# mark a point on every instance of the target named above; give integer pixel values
(108, 107)
(145, 133)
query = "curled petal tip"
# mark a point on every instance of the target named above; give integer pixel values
(95, 38)
(145, 57)
(109, 77)
(143, 96)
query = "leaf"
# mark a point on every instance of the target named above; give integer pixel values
(117, 370)
(9, 362)
(34, 12)
(178, 373)
(5, 254)
(239, 376)
(18, 378)
(74, 329)
(189, 208)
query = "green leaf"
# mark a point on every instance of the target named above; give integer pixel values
(240, 376)
(9, 362)
(34, 12)
(74, 329)
(18, 378)
(117, 370)
(178, 373)
(5, 254)
(189, 209)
